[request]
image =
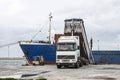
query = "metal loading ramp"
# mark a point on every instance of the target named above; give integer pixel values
(76, 27)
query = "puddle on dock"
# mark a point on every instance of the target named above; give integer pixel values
(104, 78)
(30, 75)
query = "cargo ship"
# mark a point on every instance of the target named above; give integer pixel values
(32, 49)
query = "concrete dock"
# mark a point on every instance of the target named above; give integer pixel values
(50, 72)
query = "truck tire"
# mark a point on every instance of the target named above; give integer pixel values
(77, 65)
(58, 66)
(81, 64)
(85, 63)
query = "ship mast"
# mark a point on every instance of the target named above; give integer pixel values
(49, 37)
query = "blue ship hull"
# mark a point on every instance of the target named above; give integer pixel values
(106, 57)
(48, 51)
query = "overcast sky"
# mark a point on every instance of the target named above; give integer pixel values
(22, 19)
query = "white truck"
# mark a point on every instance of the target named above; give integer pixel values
(73, 48)
(68, 53)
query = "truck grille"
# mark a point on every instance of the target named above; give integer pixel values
(66, 57)
(65, 61)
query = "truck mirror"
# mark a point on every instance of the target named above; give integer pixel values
(78, 47)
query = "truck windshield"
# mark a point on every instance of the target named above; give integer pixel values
(66, 47)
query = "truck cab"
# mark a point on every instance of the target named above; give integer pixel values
(68, 52)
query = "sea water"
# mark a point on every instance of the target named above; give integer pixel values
(10, 62)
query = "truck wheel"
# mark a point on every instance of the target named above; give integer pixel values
(81, 64)
(58, 66)
(85, 63)
(77, 65)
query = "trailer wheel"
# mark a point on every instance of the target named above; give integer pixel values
(81, 64)
(85, 63)
(77, 65)
(58, 66)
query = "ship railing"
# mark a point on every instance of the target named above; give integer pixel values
(37, 41)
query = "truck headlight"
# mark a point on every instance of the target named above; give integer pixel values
(73, 60)
(57, 60)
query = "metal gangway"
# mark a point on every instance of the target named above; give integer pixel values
(76, 27)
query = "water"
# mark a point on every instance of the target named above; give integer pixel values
(10, 62)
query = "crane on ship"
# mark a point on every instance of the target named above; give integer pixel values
(49, 30)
